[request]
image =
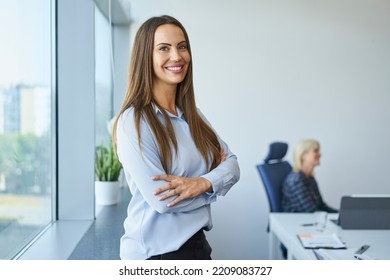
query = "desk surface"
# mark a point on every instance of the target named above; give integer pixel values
(284, 227)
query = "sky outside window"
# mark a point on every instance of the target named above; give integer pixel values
(25, 42)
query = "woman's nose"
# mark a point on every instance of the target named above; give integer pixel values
(175, 55)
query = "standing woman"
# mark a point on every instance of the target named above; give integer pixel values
(300, 192)
(174, 162)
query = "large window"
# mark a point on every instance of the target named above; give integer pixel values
(103, 78)
(26, 123)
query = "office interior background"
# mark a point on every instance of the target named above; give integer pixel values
(264, 71)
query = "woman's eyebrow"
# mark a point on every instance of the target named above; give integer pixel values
(167, 44)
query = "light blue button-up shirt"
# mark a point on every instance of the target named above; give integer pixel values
(151, 227)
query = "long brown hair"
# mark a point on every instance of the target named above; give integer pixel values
(139, 95)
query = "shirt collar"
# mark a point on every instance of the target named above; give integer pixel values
(178, 110)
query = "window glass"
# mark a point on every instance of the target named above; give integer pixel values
(103, 78)
(26, 130)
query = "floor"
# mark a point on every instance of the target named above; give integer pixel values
(101, 242)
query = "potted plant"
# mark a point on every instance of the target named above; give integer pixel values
(107, 170)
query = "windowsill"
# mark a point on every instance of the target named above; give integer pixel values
(84, 239)
(57, 242)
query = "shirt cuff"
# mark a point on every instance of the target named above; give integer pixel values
(216, 182)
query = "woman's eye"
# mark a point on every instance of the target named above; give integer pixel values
(183, 47)
(163, 49)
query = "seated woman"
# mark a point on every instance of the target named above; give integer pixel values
(300, 191)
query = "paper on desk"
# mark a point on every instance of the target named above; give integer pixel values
(316, 241)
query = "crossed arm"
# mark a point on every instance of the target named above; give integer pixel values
(161, 190)
(183, 187)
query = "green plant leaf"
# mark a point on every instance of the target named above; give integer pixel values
(107, 164)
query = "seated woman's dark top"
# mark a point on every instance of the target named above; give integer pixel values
(300, 193)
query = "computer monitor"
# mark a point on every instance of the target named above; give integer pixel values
(365, 212)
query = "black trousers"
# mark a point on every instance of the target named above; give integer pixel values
(196, 248)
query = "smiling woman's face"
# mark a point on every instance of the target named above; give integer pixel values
(170, 55)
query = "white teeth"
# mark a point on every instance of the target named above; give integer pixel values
(174, 68)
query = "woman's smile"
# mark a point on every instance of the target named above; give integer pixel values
(175, 68)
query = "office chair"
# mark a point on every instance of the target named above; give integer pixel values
(273, 172)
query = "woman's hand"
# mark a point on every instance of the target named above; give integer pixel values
(183, 187)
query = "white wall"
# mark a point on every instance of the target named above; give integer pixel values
(285, 70)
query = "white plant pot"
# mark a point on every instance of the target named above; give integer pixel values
(106, 193)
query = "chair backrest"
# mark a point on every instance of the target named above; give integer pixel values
(273, 172)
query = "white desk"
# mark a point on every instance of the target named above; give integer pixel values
(284, 228)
